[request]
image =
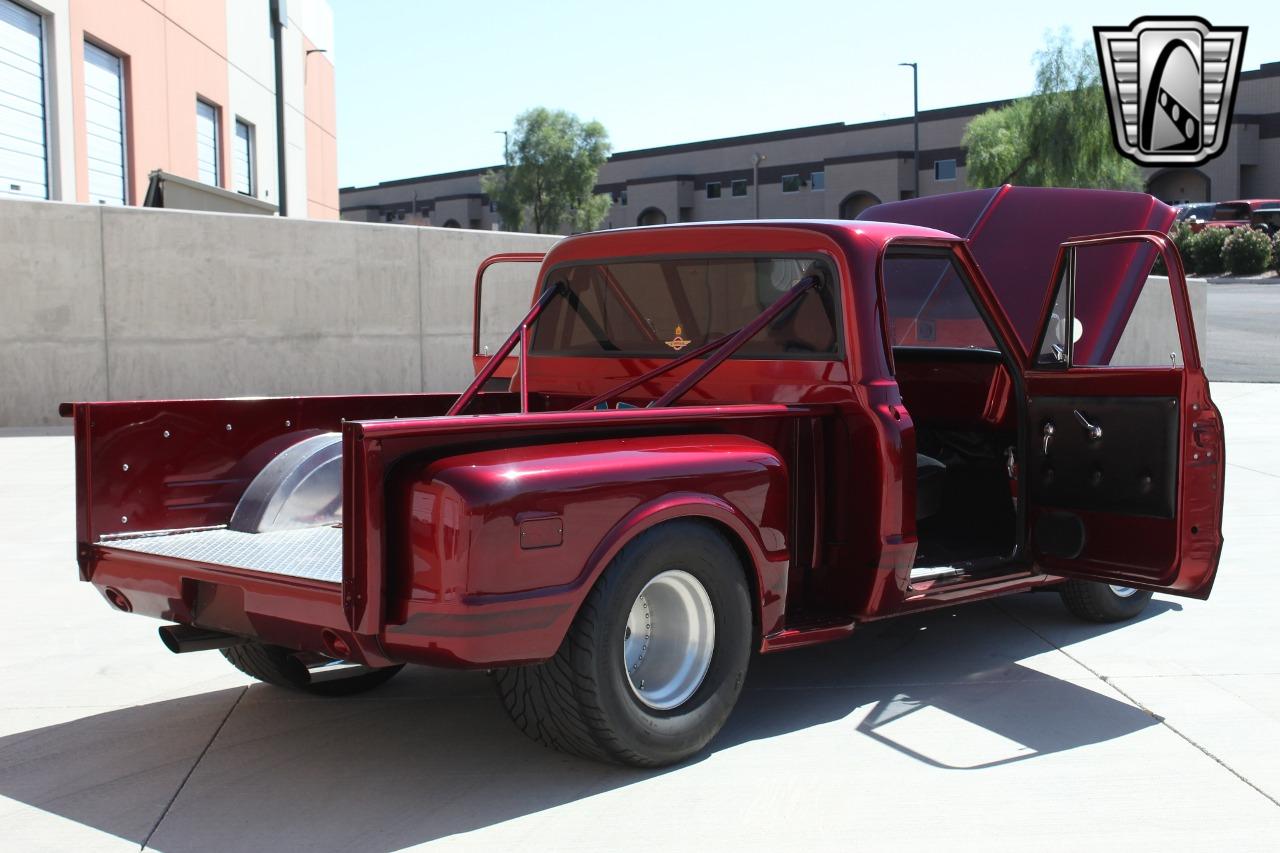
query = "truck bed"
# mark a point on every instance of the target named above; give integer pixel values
(313, 553)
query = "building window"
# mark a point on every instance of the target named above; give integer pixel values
(23, 153)
(104, 124)
(791, 183)
(245, 177)
(622, 198)
(713, 189)
(817, 180)
(738, 188)
(208, 168)
(944, 170)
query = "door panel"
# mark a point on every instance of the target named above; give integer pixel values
(1128, 466)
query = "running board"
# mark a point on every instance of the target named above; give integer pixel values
(933, 573)
(806, 635)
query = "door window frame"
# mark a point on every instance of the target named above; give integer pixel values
(1064, 274)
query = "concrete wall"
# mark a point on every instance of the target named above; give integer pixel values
(127, 303)
(132, 303)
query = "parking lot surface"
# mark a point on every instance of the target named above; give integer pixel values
(1241, 345)
(988, 727)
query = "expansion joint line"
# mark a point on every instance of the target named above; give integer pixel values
(1142, 707)
(165, 813)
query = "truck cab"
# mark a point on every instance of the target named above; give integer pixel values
(701, 442)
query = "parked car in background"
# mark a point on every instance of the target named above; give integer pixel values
(1266, 219)
(1194, 213)
(1235, 214)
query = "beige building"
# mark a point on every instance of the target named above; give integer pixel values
(830, 170)
(95, 95)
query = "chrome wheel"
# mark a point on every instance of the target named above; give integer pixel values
(1123, 591)
(668, 640)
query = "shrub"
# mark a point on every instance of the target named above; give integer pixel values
(1205, 250)
(1246, 251)
(1179, 235)
(1275, 252)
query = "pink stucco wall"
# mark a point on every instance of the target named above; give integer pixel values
(174, 52)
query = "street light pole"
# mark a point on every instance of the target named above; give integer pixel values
(915, 117)
(756, 159)
(505, 153)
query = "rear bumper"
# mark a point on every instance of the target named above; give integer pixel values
(298, 613)
(307, 615)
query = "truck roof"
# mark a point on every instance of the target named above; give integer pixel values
(642, 240)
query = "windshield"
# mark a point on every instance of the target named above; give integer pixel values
(656, 308)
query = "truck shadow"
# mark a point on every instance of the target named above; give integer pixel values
(432, 755)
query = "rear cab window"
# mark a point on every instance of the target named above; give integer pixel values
(654, 308)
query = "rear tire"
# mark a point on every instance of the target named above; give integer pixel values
(611, 694)
(279, 666)
(1100, 602)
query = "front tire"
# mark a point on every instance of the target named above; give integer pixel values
(1100, 602)
(654, 660)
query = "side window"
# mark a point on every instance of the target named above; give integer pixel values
(928, 304)
(1121, 313)
(1055, 347)
(1126, 311)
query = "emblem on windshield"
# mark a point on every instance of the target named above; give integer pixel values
(1171, 86)
(679, 342)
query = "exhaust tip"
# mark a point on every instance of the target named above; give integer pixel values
(118, 599)
(181, 639)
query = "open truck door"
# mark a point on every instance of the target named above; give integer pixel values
(1124, 448)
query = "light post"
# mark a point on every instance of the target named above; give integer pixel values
(915, 117)
(756, 159)
(504, 145)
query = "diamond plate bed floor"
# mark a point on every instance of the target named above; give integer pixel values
(314, 552)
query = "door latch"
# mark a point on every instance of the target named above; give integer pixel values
(1048, 436)
(1095, 432)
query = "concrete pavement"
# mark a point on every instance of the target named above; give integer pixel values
(989, 727)
(1242, 331)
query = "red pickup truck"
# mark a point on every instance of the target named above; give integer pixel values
(717, 439)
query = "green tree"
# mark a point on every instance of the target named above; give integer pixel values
(548, 182)
(1060, 136)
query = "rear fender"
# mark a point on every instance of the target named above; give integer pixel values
(766, 567)
(500, 547)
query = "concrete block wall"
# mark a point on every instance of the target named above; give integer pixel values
(108, 303)
(131, 303)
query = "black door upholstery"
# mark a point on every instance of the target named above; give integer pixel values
(1130, 469)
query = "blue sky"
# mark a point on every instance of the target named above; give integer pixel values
(423, 84)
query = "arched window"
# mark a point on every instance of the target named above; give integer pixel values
(1175, 186)
(855, 203)
(652, 216)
